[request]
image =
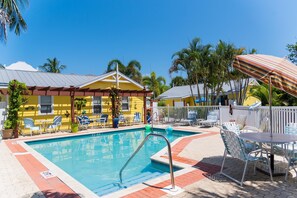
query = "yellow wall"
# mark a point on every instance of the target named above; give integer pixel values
(249, 100)
(61, 104)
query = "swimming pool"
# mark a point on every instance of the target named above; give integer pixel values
(96, 159)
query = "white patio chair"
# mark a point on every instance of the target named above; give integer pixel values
(29, 124)
(235, 148)
(291, 149)
(232, 126)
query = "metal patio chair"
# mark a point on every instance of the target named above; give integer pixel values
(235, 147)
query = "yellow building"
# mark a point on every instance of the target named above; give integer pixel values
(182, 95)
(52, 94)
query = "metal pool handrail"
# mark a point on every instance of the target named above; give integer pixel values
(169, 155)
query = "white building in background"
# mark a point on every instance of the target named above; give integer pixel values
(20, 65)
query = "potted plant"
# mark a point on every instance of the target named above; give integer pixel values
(74, 125)
(16, 90)
(7, 131)
(115, 106)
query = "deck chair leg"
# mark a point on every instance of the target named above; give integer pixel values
(268, 164)
(255, 165)
(222, 166)
(243, 174)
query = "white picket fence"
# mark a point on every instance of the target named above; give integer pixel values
(281, 116)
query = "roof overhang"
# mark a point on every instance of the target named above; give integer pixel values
(77, 91)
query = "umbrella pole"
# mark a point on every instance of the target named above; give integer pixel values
(270, 104)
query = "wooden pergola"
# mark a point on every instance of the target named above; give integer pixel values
(77, 91)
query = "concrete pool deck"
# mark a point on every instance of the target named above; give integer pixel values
(202, 154)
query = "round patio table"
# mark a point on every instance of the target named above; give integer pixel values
(267, 137)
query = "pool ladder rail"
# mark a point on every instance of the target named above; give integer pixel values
(169, 156)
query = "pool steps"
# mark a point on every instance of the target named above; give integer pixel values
(109, 188)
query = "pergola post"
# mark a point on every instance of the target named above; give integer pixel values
(144, 109)
(72, 107)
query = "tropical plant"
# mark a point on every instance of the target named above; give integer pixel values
(16, 90)
(292, 48)
(132, 70)
(261, 92)
(154, 83)
(79, 103)
(178, 81)
(11, 16)
(52, 65)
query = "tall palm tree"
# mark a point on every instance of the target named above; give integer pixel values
(11, 16)
(52, 65)
(181, 62)
(132, 70)
(154, 83)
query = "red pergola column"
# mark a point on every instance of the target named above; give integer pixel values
(144, 109)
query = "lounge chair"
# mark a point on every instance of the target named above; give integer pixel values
(191, 119)
(57, 122)
(29, 124)
(235, 147)
(102, 120)
(212, 119)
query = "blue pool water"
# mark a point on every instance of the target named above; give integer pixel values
(95, 160)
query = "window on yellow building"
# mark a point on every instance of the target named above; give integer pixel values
(46, 104)
(125, 103)
(97, 107)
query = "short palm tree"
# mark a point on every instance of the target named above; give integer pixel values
(261, 92)
(52, 65)
(132, 70)
(11, 16)
(154, 83)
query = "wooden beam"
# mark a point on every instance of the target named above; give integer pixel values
(144, 110)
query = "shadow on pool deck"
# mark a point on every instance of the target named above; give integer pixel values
(54, 194)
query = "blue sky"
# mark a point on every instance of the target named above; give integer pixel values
(86, 35)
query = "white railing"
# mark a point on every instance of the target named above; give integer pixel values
(175, 114)
(281, 116)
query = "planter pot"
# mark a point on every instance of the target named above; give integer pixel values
(74, 127)
(7, 133)
(115, 123)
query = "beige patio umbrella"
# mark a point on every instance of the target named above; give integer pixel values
(277, 72)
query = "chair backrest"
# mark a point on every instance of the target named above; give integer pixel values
(192, 115)
(233, 144)
(240, 121)
(57, 120)
(264, 125)
(137, 117)
(122, 118)
(104, 116)
(291, 128)
(212, 115)
(28, 122)
(231, 126)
